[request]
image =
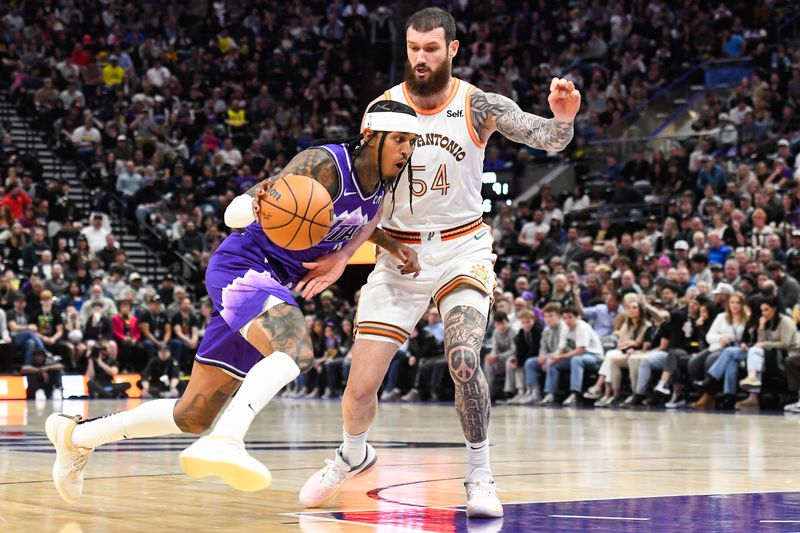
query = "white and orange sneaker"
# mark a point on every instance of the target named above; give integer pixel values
(70, 461)
(482, 501)
(326, 483)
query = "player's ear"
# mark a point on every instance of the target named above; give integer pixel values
(453, 48)
(368, 134)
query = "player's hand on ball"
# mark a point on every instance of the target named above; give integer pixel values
(260, 192)
(321, 273)
(409, 258)
(564, 99)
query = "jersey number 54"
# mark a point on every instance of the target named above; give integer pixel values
(419, 187)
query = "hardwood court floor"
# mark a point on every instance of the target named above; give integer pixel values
(601, 470)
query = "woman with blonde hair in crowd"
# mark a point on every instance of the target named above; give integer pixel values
(630, 338)
(562, 294)
(729, 335)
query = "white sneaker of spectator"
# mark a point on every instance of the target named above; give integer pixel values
(675, 402)
(548, 399)
(40, 395)
(571, 401)
(792, 407)
(57, 395)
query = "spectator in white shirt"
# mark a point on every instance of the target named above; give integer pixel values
(579, 200)
(578, 349)
(158, 74)
(230, 154)
(96, 233)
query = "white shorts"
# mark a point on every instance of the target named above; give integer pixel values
(391, 303)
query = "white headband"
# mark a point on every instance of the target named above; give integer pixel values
(392, 121)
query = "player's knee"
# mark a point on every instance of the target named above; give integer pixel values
(361, 392)
(304, 357)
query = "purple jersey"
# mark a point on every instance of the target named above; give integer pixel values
(248, 268)
(352, 208)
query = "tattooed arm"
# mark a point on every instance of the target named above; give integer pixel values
(464, 328)
(313, 162)
(493, 112)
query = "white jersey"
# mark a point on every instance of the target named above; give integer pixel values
(447, 165)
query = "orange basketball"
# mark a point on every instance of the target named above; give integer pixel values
(296, 212)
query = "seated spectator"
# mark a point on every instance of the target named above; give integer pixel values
(578, 348)
(49, 326)
(775, 332)
(97, 328)
(160, 377)
(22, 331)
(536, 366)
(630, 341)
(730, 338)
(526, 347)
(502, 350)
(44, 376)
(125, 330)
(100, 371)
(96, 233)
(427, 364)
(155, 327)
(184, 340)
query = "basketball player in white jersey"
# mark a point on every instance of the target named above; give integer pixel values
(439, 213)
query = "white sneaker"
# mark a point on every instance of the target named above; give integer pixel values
(792, 408)
(675, 403)
(57, 395)
(40, 395)
(548, 399)
(605, 401)
(593, 393)
(326, 482)
(662, 389)
(520, 398)
(571, 401)
(482, 501)
(70, 461)
(226, 458)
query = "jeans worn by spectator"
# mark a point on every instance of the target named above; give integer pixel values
(576, 366)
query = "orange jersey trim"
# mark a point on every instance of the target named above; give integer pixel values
(429, 112)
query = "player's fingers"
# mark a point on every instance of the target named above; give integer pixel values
(311, 265)
(300, 284)
(553, 84)
(570, 86)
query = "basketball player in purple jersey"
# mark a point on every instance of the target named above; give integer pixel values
(257, 340)
(439, 213)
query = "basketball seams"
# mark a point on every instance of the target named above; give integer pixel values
(314, 221)
(308, 206)
(284, 232)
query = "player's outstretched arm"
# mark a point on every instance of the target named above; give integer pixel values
(494, 112)
(313, 162)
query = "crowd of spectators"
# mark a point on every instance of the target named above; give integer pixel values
(170, 110)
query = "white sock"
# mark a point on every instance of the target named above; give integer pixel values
(149, 419)
(477, 456)
(354, 448)
(262, 383)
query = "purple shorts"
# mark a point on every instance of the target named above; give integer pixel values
(239, 282)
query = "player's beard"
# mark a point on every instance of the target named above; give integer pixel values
(437, 79)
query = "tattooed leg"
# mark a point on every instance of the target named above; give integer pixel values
(463, 331)
(196, 410)
(283, 329)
